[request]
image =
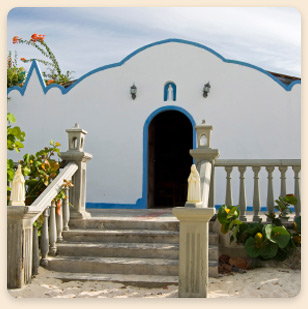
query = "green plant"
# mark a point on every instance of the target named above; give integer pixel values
(54, 74)
(265, 241)
(15, 138)
(15, 75)
(40, 169)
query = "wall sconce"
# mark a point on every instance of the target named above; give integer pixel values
(133, 91)
(206, 89)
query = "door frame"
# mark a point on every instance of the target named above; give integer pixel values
(146, 140)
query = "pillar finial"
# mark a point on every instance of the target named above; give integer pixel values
(18, 193)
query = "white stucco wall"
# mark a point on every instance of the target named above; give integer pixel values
(253, 116)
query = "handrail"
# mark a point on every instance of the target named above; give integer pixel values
(258, 162)
(44, 200)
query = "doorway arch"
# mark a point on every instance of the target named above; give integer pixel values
(170, 135)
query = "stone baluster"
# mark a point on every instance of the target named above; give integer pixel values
(228, 199)
(283, 186)
(242, 194)
(59, 219)
(66, 210)
(45, 239)
(211, 203)
(36, 254)
(297, 207)
(256, 194)
(270, 190)
(52, 230)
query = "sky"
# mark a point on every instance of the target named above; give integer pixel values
(84, 39)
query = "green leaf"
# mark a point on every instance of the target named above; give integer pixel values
(251, 248)
(225, 228)
(11, 118)
(278, 235)
(51, 142)
(290, 199)
(235, 222)
(298, 224)
(268, 250)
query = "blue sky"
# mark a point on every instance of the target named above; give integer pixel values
(84, 39)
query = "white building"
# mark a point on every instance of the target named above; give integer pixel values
(141, 145)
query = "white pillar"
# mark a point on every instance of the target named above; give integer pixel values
(193, 257)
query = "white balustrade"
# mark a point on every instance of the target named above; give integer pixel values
(256, 166)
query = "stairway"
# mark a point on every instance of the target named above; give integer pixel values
(127, 247)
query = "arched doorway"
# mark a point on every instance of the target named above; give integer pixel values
(170, 137)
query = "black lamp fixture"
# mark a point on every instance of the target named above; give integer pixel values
(206, 89)
(133, 91)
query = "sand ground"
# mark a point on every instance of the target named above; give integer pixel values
(256, 283)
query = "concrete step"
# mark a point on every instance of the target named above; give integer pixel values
(113, 265)
(106, 223)
(124, 266)
(102, 223)
(123, 236)
(147, 281)
(129, 235)
(141, 250)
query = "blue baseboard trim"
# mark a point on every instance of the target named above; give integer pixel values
(139, 205)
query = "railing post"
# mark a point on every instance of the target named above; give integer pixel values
(76, 154)
(242, 194)
(66, 210)
(36, 253)
(256, 194)
(283, 186)
(45, 239)
(297, 207)
(52, 230)
(270, 191)
(212, 187)
(59, 219)
(228, 199)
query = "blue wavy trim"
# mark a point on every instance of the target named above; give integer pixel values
(35, 66)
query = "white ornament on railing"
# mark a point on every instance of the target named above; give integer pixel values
(194, 193)
(18, 194)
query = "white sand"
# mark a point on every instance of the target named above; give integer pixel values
(261, 283)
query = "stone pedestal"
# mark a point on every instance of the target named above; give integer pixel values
(19, 246)
(194, 243)
(77, 194)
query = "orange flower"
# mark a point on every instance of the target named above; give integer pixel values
(16, 39)
(50, 81)
(23, 59)
(41, 37)
(34, 37)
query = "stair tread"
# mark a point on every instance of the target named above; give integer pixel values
(120, 278)
(121, 231)
(119, 245)
(124, 260)
(144, 245)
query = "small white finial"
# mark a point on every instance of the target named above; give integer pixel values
(203, 121)
(18, 194)
(76, 125)
(194, 192)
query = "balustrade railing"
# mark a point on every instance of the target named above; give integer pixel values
(256, 165)
(23, 256)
